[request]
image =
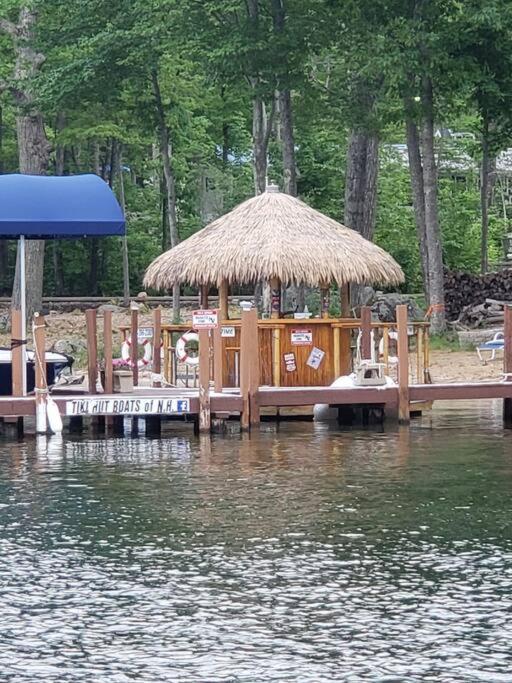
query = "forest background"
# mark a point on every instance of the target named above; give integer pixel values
(390, 116)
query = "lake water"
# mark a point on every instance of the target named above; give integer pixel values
(303, 554)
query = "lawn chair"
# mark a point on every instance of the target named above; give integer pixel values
(497, 343)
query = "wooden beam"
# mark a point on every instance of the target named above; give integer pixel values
(204, 291)
(336, 351)
(345, 301)
(403, 365)
(307, 396)
(204, 381)
(218, 357)
(157, 344)
(276, 357)
(254, 368)
(460, 391)
(507, 365)
(17, 353)
(107, 351)
(223, 300)
(40, 373)
(134, 348)
(92, 348)
(366, 333)
(249, 363)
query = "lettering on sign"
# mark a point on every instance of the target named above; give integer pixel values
(227, 331)
(127, 406)
(315, 358)
(302, 337)
(205, 320)
(144, 333)
(289, 362)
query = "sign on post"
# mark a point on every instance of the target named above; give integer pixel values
(227, 331)
(205, 320)
(127, 406)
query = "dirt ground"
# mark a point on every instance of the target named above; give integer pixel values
(445, 365)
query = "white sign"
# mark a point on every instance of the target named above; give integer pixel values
(127, 406)
(289, 362)
(302, 337)
(144, 333)
(205, 320)
(315, 358)
(227, 331)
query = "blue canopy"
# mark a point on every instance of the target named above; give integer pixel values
(43, 207)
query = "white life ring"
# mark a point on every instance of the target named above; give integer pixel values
(392, 360)
(147, 345)
(181, 348)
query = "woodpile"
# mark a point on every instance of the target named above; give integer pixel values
(477, 300)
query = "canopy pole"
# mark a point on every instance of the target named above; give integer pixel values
(23, 298)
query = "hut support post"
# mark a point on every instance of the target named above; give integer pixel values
(345, 301)
(336, 352)
(204, 381)
(223, 300)
(157, 345)
(366, 333)
(40, 372)
(217, 359)
(325, 300)
(275, 298)
(403, 365)
(134, 348)
(249, 368)
(203, 296)
(507, 365)
(92, 348)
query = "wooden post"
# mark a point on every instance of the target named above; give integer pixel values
(134, 348)
(420, 371)
(403, 364)
(203, 296)
(157, 344)
(217, 359)
(276, 357)
(325, 298)
(40, 373)
(107, 352)
(92, 348)
(345, 301)
(385, 354)
(17, 353)
(249, 367)
(507, 365)
(223, 300)
(426, 357)
(336, 352)
(204, 381)
(366, 333)
(275, 298)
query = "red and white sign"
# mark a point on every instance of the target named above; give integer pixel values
(302, 337)
(205, 320)
(289, 362)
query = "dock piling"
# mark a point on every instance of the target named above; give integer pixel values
(40, 373)
(403, 365)
(204, 381)
(92, 348)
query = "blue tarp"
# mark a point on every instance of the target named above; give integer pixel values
(43, 207)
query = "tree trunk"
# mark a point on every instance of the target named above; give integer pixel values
(487, 177)
(433, 233)
(287, 142)
(418, 198)
(361, 182)
(126, 262)
(60, 160)
(259, 145)
(169, 181)
(361, 189)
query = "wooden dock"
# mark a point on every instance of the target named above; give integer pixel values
(210, 401)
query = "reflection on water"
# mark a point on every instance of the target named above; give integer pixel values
(304, 554)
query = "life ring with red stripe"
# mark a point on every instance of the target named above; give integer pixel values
(147, 345)
(182, 351)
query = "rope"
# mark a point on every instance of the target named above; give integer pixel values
(434, 308)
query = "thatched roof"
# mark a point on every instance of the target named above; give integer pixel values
(274, 235)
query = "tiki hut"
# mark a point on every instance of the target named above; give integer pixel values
(276, 238)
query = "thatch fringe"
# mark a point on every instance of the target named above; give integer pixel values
(269, 236)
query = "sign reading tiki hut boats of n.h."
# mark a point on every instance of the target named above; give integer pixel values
(127, 406)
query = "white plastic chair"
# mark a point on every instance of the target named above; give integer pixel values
(497, 343)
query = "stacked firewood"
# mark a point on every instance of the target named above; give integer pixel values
(477, 300)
